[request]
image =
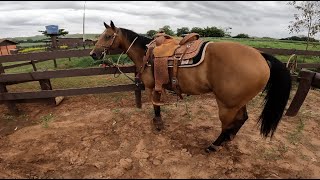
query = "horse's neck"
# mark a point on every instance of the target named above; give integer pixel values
(135, 53)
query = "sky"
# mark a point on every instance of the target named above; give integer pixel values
(256, 18)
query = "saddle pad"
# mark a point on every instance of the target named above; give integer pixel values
(194, 61)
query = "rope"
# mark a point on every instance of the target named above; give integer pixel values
(294, 64)
(117, 64)
(290, 59)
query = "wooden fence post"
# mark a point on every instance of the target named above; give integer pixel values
(3, 89)
(45, 84)
(33, 65)
(305, 79)
(55, 63)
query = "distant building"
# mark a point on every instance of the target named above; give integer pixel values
(7, 47)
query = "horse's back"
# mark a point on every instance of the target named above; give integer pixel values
(234, 50)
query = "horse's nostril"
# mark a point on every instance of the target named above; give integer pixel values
(93, 55)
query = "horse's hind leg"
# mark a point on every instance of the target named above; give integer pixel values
(232, 120)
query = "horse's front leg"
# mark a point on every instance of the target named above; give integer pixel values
(155, 97)
(157, 120)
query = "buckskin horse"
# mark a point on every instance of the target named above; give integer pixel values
(235, 73)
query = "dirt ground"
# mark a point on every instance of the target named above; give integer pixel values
(106, 136)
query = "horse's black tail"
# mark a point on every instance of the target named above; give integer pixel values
(278, 90)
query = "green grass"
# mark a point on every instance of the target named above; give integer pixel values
(267, 43)
(275, 153)
(295, 136)
(278, 44)
(23, 45)
(46, 119)
(65, 63)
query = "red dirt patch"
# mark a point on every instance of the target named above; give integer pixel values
(105, 136)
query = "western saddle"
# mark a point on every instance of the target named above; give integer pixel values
(164, 53)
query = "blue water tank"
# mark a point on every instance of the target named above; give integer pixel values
(52, 29)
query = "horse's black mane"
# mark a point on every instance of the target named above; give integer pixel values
(142, 41)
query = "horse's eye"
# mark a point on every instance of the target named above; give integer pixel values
(108, 37)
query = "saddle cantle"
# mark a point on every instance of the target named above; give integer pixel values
(165, 51)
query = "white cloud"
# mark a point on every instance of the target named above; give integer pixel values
(256, 18)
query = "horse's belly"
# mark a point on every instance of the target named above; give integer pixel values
(193, 81)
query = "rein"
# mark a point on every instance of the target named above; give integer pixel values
(106, 49)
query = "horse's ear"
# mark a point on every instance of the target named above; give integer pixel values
(106, 25)
(112, 25)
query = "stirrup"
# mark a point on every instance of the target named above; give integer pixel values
(158, 103)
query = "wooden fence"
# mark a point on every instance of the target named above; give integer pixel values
(47, 93)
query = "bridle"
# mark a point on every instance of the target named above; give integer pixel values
(106, 51)
(106, 48)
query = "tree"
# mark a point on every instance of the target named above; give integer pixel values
(61, 32)
(227, 33)
(29, 40)
(151, 33)
(213, 32)
(167, 29)
(309, 18)
(197, 30)
(301, 38)
(183, 30)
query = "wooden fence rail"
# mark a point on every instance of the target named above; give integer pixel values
(67, 92)
(85, 52)
(47, 94)
(34, 58)
(289, 51)
(38, 75)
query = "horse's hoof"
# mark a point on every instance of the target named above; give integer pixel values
(211, 148)
(158, 124)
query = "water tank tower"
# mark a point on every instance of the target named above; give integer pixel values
(53, 32)
(52, 29)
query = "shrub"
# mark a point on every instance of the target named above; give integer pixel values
(241, 35)
(297, 38)
(32, 49)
